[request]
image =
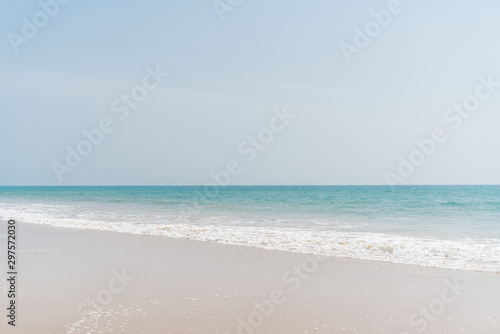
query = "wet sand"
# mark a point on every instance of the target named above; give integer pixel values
(83, 281)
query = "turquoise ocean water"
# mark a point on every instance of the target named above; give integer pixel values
(456, 227)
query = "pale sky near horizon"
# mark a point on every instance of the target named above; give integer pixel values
(352, 119)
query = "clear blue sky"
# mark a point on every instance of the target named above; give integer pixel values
(353, 120)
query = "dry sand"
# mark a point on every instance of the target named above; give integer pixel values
(72, 281)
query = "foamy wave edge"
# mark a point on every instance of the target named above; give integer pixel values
(464, 254)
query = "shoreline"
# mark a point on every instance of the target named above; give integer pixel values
(424, 251)
(190, 286)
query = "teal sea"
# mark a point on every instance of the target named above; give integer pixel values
(456, 227)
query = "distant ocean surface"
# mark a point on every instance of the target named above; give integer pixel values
(455, 227)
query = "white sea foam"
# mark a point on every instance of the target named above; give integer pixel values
(462, 254)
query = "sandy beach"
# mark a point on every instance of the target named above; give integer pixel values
(84, 281)
(250, 167)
